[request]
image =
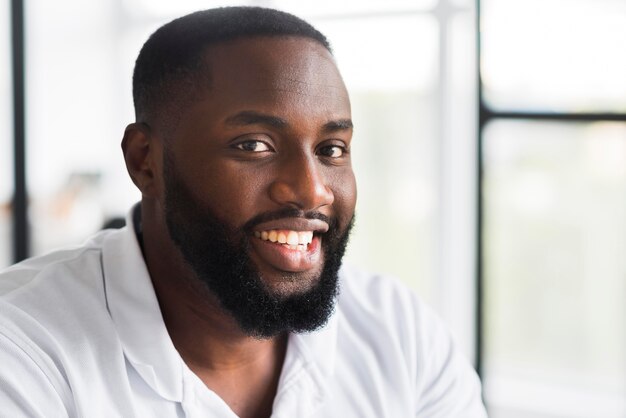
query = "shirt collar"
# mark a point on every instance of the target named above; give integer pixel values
(135, 310)
(308, 368)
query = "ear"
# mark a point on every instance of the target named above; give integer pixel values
(142, 155)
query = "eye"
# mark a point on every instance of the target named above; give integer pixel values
(253, 146)
(332, 151)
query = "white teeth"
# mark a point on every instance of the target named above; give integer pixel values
(305, 237)
(292, 239)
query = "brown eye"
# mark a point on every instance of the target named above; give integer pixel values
(332, 151)
(253, 146)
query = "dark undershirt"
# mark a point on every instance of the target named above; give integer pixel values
(137, 225)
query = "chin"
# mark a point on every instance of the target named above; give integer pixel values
(285, 283)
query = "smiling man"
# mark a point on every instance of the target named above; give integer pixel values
(225, 295)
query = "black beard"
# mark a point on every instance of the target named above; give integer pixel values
(223, 264)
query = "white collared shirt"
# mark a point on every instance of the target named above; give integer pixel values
(81, 335)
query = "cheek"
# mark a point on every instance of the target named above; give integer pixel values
(235, 195)
(345, 191)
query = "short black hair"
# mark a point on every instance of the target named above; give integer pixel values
(170, 63)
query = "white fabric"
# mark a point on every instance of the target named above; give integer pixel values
(81, 335)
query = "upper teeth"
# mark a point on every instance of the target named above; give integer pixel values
(285, 236)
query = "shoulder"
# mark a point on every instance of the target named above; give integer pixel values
(55, 301)
(381, 316)
(31, 385)
(387, 307)
(384, 299)
(29, 274)
(56, 331)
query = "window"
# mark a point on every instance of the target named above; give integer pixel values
(77, 105)
(6, 138)
(554, 230)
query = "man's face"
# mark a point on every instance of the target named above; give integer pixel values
(260, 191)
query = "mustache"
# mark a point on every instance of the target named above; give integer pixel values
(288, 213)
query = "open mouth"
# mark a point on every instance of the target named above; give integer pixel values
(289, 244)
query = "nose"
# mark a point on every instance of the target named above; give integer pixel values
(301, 183)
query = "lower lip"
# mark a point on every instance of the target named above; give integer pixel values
(285, 259)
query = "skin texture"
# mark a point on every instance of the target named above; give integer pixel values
(272, 131)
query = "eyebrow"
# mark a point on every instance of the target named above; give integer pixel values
(249, 117)
(337, 125)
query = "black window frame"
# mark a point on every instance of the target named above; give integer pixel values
(486, 115)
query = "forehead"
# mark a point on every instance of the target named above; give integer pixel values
(282, 71)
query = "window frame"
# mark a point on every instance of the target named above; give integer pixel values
(486, 115)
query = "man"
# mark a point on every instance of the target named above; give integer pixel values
(221, 296)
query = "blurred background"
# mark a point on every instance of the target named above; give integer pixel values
(490, 153)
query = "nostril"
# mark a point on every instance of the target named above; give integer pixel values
(301, 196)
(282, 193)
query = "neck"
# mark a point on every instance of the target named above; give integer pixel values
(243, 370)
(192, 314)
(204, 334)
